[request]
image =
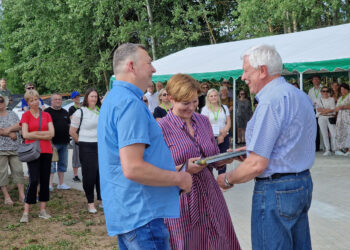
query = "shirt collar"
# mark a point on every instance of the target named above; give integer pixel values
(266, 89)
(136, 90)
(179, 122)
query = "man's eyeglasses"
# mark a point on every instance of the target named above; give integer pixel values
(165, 94)
(241, 93)
(324, 91)
(29, 88)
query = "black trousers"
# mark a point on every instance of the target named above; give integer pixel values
(88, 156)
(317, 136)
(39, 173)
(223, 149)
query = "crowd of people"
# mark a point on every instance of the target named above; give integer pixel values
(139, 152)
(332, 114)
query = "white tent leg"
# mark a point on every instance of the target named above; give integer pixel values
(301, 81)
(234, 115)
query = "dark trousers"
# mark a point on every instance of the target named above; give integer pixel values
(317, 137)
(39, 173)
(89, 167)
(223, 149)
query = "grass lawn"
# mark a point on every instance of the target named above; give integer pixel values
(71, 226)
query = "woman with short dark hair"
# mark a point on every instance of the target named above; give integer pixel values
(342, 131)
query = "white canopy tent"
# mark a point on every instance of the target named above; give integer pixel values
(318, 50)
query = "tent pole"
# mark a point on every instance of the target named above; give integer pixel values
(301, 81)
(234, 115)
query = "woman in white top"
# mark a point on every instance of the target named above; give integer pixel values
(219, 117)
(325, 110)
(85, 120)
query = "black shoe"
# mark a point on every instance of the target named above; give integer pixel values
(76, 179)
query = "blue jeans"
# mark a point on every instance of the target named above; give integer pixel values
(280, 213)
(62, 163)
(153, 235)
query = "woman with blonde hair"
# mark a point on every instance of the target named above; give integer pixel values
(39, 169)
(164, 105)
(219, 118)
(205, 222)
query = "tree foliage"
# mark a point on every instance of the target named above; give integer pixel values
(65, 45)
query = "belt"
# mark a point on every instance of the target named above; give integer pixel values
(279, 175)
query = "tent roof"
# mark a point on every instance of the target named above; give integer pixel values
(325, 49)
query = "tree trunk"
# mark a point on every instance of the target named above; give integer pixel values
(295, 23)
(150, 21)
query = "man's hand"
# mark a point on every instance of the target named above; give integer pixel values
(221, 182)
(194, 168)
(185, 181)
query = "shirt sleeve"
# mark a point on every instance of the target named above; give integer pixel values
(76, 118)
(266, 130)
(156, 113)
(24, 103)
(227, 112)
(24, 118)
(133, 124)
(205, 111)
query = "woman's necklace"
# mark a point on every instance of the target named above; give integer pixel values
(166, 109)
(96, 110)
(216, 114)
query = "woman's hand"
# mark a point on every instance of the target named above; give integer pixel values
(194, 168)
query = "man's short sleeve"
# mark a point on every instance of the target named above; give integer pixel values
(133, 124)
(266, 130)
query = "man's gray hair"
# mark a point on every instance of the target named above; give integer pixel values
(123, 52)
(264, 55)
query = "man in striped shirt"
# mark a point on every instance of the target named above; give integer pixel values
(280, 151)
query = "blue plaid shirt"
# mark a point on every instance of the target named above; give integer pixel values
(283, 128)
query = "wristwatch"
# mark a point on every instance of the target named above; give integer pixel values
(227, 183)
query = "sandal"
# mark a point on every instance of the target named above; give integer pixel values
(8, 201)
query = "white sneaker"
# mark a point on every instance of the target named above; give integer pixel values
(51, 188)
(338, 152)
(44, 215)
(327, 153)
(347, 153)
(63, 186)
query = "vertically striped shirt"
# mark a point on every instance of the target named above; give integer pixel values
(205, 222)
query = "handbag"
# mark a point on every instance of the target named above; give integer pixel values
(332, 120)
(31, 151)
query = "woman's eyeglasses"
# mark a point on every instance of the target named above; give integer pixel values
(145, 100)
(165, 94)
(241, 93)
(29, 88)
(2, 100)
